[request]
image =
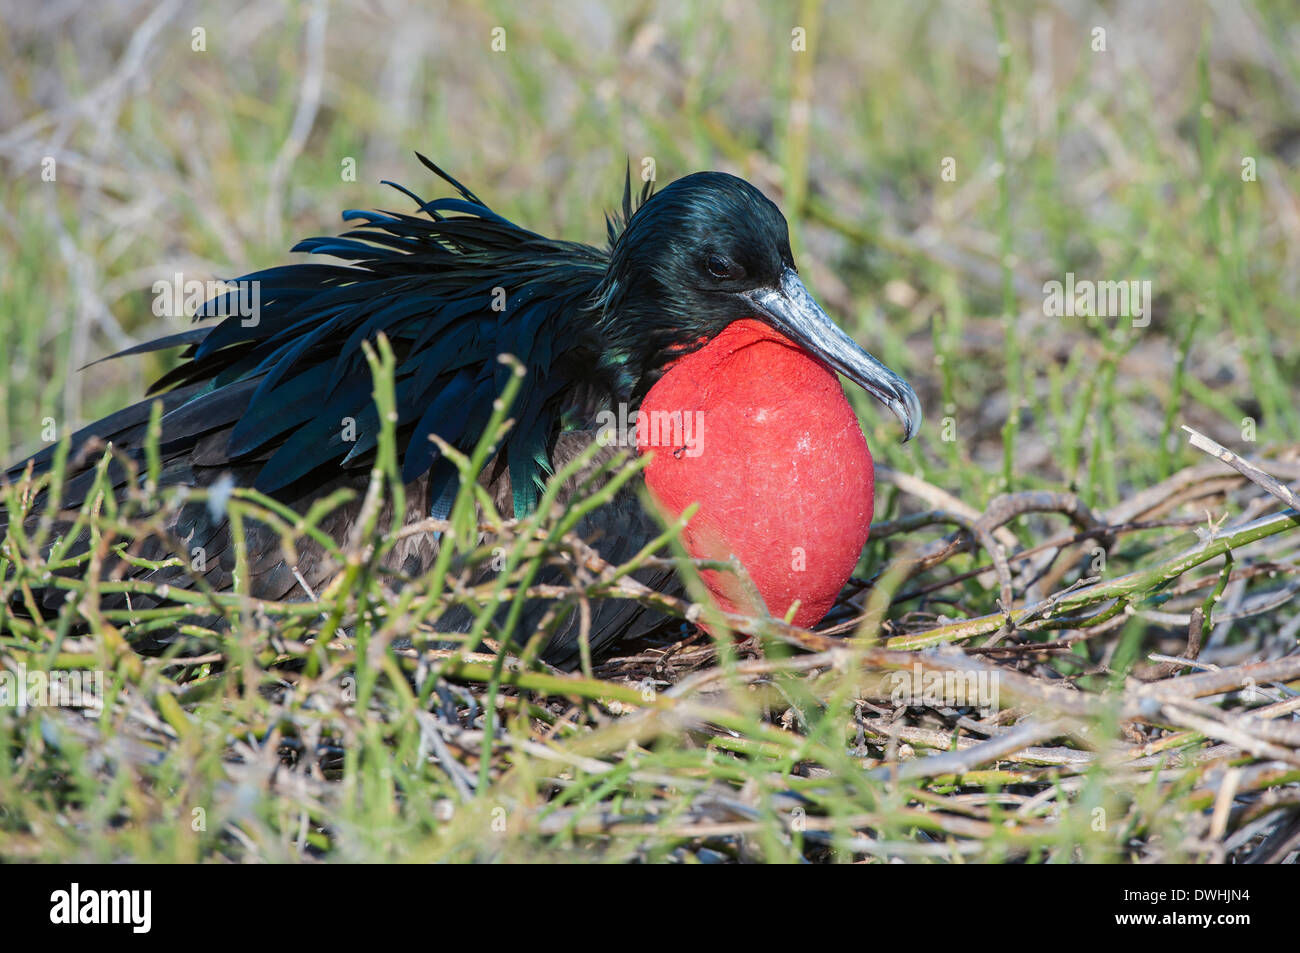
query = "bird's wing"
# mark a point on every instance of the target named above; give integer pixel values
(283, 374)
(277, 394)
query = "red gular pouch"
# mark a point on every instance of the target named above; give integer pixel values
(761, 435)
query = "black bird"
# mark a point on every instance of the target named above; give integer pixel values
(694, 310)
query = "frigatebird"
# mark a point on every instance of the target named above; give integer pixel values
(695, 312)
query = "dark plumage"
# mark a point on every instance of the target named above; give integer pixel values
(270, 401)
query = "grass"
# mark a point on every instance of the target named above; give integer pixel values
(345, 730)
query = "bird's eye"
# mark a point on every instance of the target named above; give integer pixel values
(722, 267)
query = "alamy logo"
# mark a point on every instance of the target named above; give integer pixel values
(179, 298)
(1098, 299)
(22, 689)
(681, 431)
(134, 907)
(945, 689)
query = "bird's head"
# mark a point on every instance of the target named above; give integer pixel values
(711, 249)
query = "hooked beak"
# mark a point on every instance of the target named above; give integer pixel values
(792, 310)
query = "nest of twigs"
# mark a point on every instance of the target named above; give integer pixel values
(1120, 703)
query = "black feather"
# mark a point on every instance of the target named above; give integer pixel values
(451, 288)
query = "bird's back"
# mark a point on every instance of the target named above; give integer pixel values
(279, 397)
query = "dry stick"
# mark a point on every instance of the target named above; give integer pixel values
(1265, 602)
(1137, 704)
(1153, 498)
(1156, 505)
(1223, 680)
(912, 522)
(938, 498)
(1007, 507)
(1195, 625)
(1223, 803)
(931, 555)
(1056, 542)
(1161, 703)
(988, 529)
(1122, 587)
(941, 741)
(1278, 709)
(1246, 469)
(1243, 572)
(959, 762)
(1225, 729)
(1278, 845)
(1186, 485)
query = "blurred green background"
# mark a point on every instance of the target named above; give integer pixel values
(1107, 140)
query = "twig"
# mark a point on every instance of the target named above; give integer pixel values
(1245, 468)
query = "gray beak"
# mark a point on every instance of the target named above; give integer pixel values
(791, 310)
